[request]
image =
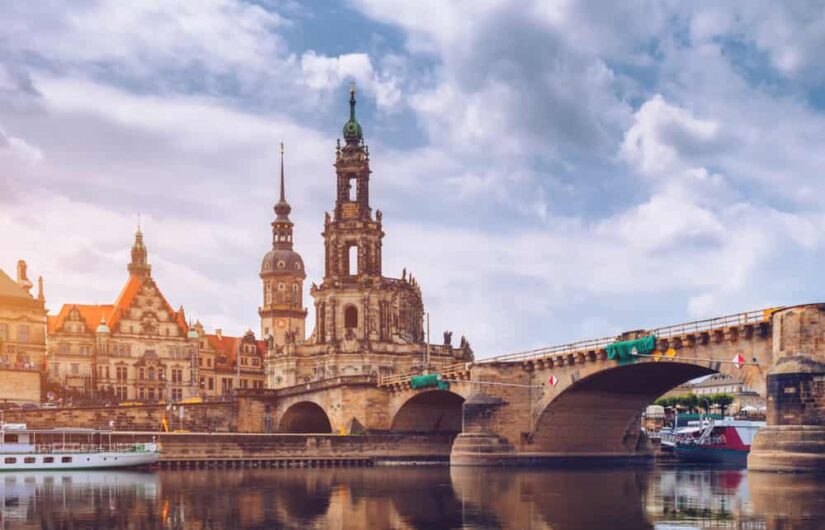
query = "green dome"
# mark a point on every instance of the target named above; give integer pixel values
(193, 334)
(353, 134)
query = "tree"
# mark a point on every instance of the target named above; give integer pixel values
(723, 400)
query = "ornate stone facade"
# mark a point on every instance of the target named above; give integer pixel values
(141, 349)
(22, 337)
(22, 322)
(366, 323)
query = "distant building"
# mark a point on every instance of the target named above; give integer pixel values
(366, 323)
(22, 336)
(722, 384)
(141, 349)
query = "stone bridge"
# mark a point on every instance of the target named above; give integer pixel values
(574, 401)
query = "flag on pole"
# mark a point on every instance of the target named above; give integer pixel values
(552, 380)
(738, 360)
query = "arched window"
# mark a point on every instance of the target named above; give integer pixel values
(352, 260)
(351, 317)
(268, 293)
(352, 187)
(151, 374)
(295, 293)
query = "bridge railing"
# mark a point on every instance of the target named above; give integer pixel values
(395, 379)
(666, 332)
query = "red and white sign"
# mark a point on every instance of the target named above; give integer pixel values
(738, 360)
(552, 380)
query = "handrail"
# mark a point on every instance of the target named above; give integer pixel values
(394, 379)
(665, 332)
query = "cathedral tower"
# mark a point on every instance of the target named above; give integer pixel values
(356, 303)
(282, 314)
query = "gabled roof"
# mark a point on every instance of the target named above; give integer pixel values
(91, 315)
(114, 313)
(9, 287)
(229, 346)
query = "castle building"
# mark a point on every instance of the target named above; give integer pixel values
(365, 323)
(141, 349)
(22, 338)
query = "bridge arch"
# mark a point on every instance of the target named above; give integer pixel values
(305, 417)
(600, 413)
(433, 411)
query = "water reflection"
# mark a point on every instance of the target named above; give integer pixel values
(430, 498)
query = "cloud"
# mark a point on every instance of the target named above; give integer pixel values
(329, 73)
(18, 148)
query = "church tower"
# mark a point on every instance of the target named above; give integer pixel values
(139, 266)
(283, 316)
(355, 304)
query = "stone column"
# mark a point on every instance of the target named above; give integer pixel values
(794, 439)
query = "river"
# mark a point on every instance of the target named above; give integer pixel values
(420, 498)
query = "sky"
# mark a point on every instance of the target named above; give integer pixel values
(548, 170)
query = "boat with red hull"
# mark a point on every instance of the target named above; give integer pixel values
(726, 441)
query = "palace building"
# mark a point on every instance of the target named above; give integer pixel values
(22, 337)
(141, 349)
(365, 323)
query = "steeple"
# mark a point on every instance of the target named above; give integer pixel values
(282, 226)
(139, 265)
(353, 134)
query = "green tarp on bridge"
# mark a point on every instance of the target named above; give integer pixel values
(622, 351)
(427, 381)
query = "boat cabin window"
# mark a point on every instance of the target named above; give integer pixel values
(28, 460)
(10, 460)
(48, 459)
(66, 459)
(11, 439)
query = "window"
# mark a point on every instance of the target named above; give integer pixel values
(66, 459)
(177, 375)
(63, 348)
(351, 317)
(352, 260)
(55, 369)
(10, 460)
(211, 384)
(28, 460)
(295, 293)
(48, 459)
(75, 369)
(4, 332)
(120, 392)
(120, 372)
(151, 373)
(151, 394)
(23, 333)
(352, 188)
(141, 374)
(85, 349)
(141, 393)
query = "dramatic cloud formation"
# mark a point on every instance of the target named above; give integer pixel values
(548, 170)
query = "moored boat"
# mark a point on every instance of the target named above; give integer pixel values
(725, 441)
(39, 449)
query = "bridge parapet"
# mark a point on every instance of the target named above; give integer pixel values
(448, 372)
(729, 327)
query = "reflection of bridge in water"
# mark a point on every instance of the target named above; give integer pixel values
(585, 399)
(415, 498)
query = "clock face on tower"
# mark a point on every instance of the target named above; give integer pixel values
(281, 323)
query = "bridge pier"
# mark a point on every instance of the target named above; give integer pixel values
(794, 439)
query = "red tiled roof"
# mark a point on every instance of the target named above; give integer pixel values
(91, 315)
(113, 313)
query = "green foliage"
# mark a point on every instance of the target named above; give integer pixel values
(692, 403)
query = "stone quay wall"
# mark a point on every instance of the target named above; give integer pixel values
(203, 448)
(197, 417)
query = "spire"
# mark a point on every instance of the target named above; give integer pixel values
(139, 266)
(40, 295)
(353, 134)
(282, 208)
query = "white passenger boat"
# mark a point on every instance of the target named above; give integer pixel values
(29, 449)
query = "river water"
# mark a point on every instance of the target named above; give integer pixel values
(422, 498)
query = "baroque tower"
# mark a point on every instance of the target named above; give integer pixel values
(283, 316)
(355, 302)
